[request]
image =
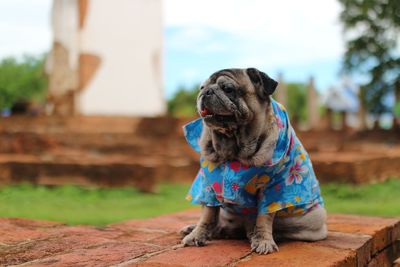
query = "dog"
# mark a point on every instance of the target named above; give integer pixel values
(256, 180)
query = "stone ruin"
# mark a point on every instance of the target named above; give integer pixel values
(92, 64)
(140, 152)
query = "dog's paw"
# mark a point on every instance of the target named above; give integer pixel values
(187, 230)
(263, 246)
(195, 238)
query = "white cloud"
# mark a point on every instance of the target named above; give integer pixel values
(24, 27)
(195, 39)
(190, 74)
(267, 32)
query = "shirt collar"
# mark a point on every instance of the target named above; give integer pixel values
(193, 129)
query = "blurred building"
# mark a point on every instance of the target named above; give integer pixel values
(344, 99)
(106, 58)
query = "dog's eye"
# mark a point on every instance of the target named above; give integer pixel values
(228, 89)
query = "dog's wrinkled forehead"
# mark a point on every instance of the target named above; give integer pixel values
(238, 77)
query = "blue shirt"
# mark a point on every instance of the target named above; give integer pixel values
(285, 184)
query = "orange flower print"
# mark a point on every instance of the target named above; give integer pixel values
(211, 166)
(257, 182)
(274, 206)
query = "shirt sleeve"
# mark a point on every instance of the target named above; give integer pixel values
(192, 132)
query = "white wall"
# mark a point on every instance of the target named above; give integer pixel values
(127, 36)
(63, 71)
(64, 20)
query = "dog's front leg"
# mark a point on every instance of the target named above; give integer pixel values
(204, 228)
(261, 239)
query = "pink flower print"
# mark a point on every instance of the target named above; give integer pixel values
(218, 191)
(268, 162)
(281, 165)
(235, 186)
(244, 166)
(296, 173)
(277, 187)
(217, 188)
(279, 122)
(235, 166)
(291, 144)
(247, 211)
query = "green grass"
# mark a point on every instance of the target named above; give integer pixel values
(75, 205)
(381, 199)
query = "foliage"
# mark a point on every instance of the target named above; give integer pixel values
(75, 205)
(183, 103)
(21, 80)
(396, 109)
(373, 27)
(297, 102)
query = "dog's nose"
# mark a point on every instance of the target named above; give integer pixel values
(209, 92)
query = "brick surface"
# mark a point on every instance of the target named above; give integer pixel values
(216, 253)
(14, 230)
(166, 223)
(166, 240)
(385, 257)
(105, 255)
(53, 244)
(384, 231)
(359, 243)
(140, 235)
(352, 241)
(303, 254)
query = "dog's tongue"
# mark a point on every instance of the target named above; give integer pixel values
(205, 112)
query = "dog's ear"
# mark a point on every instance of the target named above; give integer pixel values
(264, 85)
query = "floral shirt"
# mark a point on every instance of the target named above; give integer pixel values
(285, 184)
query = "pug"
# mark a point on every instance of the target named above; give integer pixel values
(255, 180)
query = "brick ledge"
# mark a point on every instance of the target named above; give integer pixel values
(352, 241)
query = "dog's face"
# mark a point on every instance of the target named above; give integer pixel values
(232, 97)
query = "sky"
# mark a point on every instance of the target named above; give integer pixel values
(295, 38)
(298, 39)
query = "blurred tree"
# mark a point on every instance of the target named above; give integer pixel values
(183, 103)
(372, 48)
(297, 102)
(22, 80)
